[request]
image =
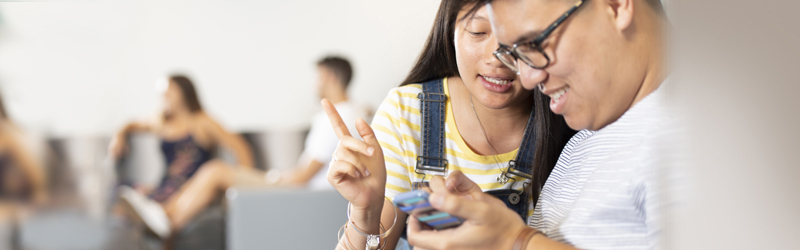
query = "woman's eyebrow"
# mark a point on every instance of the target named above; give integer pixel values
(482, 18)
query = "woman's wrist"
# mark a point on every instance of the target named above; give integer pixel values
(367, 219)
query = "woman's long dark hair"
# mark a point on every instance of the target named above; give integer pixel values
(438, 60)
(188, 92)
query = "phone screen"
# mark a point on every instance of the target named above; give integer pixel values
(416, 204)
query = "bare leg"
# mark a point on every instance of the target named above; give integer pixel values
(194, 196)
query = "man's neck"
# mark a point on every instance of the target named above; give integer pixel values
(656, 70)
(337, 98)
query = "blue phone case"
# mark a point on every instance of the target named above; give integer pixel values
(416, 203)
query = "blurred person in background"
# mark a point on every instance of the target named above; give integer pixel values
(488, 120)
(334, 75)
(22, 179)
(603, 64)
(189, 137)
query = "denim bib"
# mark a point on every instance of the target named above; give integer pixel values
(432, 160)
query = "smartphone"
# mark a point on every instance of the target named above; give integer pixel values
(416, 203)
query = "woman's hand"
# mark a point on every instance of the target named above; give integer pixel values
(488, 224)
(358, 170)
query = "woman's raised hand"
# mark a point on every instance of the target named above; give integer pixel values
(358, 170)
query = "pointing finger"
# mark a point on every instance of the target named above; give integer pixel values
(336, 120)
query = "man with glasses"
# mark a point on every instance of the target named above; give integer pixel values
(601, 62)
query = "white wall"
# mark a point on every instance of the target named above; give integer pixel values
(84, 68)
(736, 81)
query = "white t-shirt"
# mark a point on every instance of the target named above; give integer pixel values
(322, 141)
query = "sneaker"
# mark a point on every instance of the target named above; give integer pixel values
(147, 210)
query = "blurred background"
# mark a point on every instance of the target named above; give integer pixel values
(97, 62)
(72, 73)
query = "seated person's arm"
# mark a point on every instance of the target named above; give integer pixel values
(31, 169)
(302, 174)
(320, 144)
(234, 142)
(119, 144)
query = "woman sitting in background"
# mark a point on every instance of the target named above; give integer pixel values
(188, 137)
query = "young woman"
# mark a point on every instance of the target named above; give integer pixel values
(188, 138)
(487, 113)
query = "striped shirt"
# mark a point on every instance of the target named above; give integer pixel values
(397, 127)
(602, 193)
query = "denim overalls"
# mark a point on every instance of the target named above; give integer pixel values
(433, 160)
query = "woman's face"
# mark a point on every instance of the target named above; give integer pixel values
(173, 97)
(486, 78)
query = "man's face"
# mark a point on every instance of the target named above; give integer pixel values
(325, 81)
(585, 52)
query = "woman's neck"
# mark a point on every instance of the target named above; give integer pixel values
(179, 114)
(504, 127)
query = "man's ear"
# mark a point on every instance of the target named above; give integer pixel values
(622, 13)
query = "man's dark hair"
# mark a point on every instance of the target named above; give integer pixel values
(340, 67)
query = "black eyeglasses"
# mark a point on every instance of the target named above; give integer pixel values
(531, 52)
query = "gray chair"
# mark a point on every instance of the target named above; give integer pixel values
(284, 219)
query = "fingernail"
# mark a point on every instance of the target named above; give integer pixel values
(366, 172)
(358, 174)
(370, 150)
(436, 200)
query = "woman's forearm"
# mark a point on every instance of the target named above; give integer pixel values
(128, 128)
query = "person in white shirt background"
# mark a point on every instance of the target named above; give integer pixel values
(334, 75)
